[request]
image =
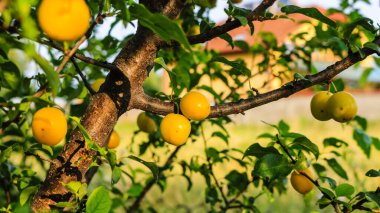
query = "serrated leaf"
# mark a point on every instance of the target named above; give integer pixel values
(152, 166)
(310, 12)
(364, 141)
(338, 169)
(345, 190)
(272, 166)
(258, 151)
(99, 201)
(25, 194)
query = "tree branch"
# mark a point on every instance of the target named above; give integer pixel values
(157, 106)
(150, 184)
(256, 14)
(86, 84)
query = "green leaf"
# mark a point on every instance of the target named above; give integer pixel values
(258, 151)
(51, 74)
(239, 65)
(73, 186)
(99, 201)
(116, 174)
(152, 166)
(161, 62)
(243, 20)
(328, 192)
(373, 173)
(334, 142)
(364, 141)
(272, 166)
(135, 190)
(283, 127)
(9, 76)
(338, 169)
(372, 46)
(25, 194)
(374, 197)
(237, 181)
(366, 23)
(344, 190)
(310, 12)
(376, 143)
(305, 144)
(227, 37)
(166, 28)
(221, 136)
(362, 122)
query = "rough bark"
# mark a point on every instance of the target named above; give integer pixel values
(122, 87)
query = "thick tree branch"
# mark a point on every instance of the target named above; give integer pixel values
(122, 86)
(256, 14)
(160, 107)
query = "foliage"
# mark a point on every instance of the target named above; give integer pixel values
(27, 61)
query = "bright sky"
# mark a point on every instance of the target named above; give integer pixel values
(372, 11)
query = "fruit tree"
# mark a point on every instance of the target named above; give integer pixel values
(69, 69)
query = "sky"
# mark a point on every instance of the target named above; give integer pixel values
(372, 11)
(217, 14)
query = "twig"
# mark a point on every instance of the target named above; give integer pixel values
(38, 156)
(157, 106)
(256, 14)
(285, 149)
(315, 182)
(150, 184)
(86, 84)
(220, 188)
(68, 55)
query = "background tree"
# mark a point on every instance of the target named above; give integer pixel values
(160, 41)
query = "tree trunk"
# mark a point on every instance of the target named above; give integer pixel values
(117, 95)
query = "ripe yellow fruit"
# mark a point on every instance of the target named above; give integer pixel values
(300, 183)
(342, 106)
(114, 140)
(195, 106)
(97, 83)
(175, 129)
(64, 20)
(49, 126)
(318, 106)
(146, 123)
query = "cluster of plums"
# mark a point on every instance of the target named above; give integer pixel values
(340, 106)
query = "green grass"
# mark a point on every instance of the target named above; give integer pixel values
(176, 198)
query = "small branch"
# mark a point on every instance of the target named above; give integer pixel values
(149, 185)
(103, 64)
(86, 84)
(285, 149)
(256, 14)
(315, 182)
(38, 156)
(220, 188)
(157, 106)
